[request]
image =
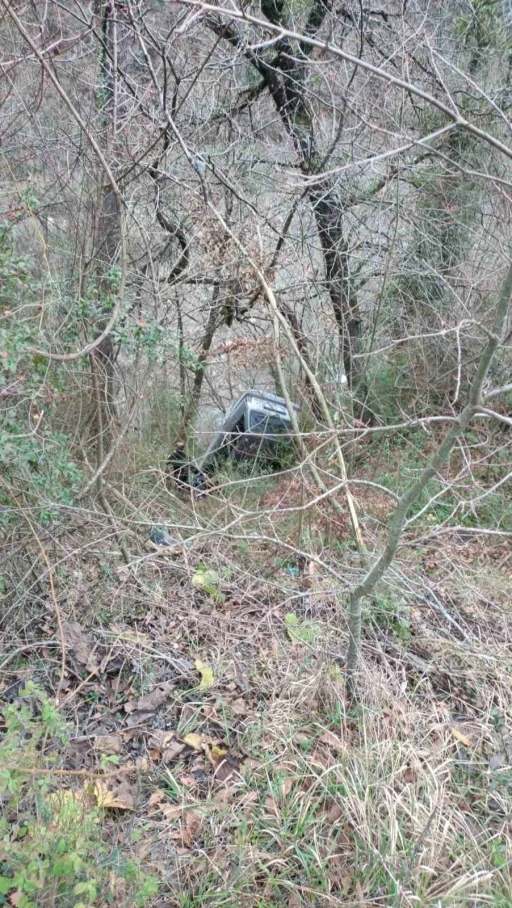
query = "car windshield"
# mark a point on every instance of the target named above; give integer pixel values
(264, 423)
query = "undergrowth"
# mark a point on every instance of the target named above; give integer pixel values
(240, 780)
(54, 845)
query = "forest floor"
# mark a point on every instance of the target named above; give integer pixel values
(201, 753)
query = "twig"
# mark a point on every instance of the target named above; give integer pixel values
(83, 773)
(27, 648)
(55, 604)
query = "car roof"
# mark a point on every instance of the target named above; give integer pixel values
(261, 395)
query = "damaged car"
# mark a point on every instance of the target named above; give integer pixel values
(257, 428)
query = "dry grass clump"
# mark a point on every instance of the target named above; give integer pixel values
(242, 779)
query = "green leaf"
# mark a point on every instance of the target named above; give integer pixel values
(301, 631)
(208, 582)
(207, 679)
(6, 885)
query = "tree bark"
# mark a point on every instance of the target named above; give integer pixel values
(105, 353)
(328, 211)
(211, 326)
(107, 239)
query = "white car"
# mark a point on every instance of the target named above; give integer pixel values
(255, 427)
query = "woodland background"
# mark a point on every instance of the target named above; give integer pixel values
(305, 701)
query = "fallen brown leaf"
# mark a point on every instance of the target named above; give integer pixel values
(224, 794)
(318, 757)
(226, 769)
(252, 763)
(191, 826)
(334, 813)
(117, 797)
(332, 740)
(239, 707)
(358, 892)
(209, 712)
(160, 739)
(166, 745)
(76, 640)
(108, 744)
(136, 720)
(160, 800)
(286, 786)
(248, 801)
(188, 713)
(172, 752)
(171, 811)
(294, 901)
(189, 781)
(158, 797)
(152, 701)
(78, 752)
(271, 806)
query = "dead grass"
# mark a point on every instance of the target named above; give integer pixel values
(281, 798)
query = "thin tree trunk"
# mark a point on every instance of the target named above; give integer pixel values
(105, 353)
(206, 343)
(108, 238)
(413, 491)
(181, 363)
(214, 321)
(328, 212)
(285, 77)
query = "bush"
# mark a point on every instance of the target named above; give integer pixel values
(53, 850)
(35, 459)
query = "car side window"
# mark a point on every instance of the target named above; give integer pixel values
(257, 420)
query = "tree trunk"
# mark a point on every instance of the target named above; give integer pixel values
(104, 354)
(211, 326)
(285, 78)
(107, 238)
(328, 211)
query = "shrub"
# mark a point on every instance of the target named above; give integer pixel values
(53, 847)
